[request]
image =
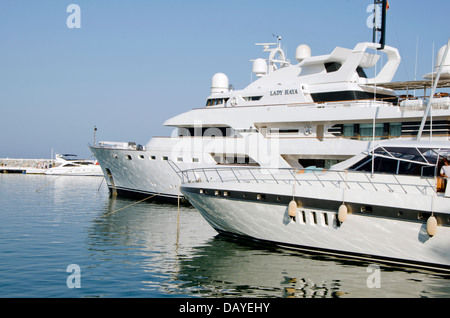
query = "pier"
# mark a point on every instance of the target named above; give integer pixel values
(25, 166)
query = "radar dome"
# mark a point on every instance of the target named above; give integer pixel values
(445, 73)
(302, 52)
(439, 56)
(219, 83)
(259, 67)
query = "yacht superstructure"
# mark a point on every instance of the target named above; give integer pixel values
(315, 112)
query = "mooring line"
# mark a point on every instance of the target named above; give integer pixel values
(122, 208)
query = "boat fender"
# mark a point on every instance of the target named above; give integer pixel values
(342, 213)
(431, 226)
(292, 209)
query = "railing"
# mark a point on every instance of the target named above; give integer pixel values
(343, 179)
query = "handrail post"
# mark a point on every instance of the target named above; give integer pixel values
(253, 175)
(273, 176)
(206, 176)
(318, 178)
(221, 180)
(237, 179)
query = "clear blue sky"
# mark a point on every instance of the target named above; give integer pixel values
(133, 64)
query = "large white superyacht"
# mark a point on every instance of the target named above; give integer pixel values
(315, 112)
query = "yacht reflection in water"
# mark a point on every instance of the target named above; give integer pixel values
(139, 246)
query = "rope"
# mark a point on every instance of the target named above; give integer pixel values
(178, 216)
(122, 208)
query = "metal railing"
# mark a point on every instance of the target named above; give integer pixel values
(343, 179)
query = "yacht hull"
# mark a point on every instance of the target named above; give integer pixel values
(316, 226)
(135, 178)
(85, 171)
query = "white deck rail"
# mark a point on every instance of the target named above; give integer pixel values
(315, 177)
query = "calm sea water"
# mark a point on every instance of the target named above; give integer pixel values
(123, 250)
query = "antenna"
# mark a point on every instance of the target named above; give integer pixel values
(278, 39)
(427, 110)
(380, 26)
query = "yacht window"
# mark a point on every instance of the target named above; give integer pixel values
(116, 156)
(206, 131)
(216, 101)
(380, 165)
(141, 156)
(361, 72)
(365, 131)
(165, 158)
(440, 127)
(128, 157)
(395, 129)
(351, 130)
(252, 98)
(179, 159)
(283, 131)
(402, 163)
(234, 159)
(332, 66)
(152, 157)
(194, 159)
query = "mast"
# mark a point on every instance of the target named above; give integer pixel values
(380, 26)
(427, 110)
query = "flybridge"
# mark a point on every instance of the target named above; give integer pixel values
(338, 76)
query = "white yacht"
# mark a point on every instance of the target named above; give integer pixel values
(67, 164)
(316, 111)
(385, 205)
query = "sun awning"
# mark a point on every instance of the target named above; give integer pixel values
(407, 85)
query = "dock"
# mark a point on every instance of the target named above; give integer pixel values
(25, 166)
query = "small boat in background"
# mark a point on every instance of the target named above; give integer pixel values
(67, 164)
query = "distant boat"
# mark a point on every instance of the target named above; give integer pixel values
(67, 164)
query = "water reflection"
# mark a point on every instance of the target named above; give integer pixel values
(143, 241)
(135, 250)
